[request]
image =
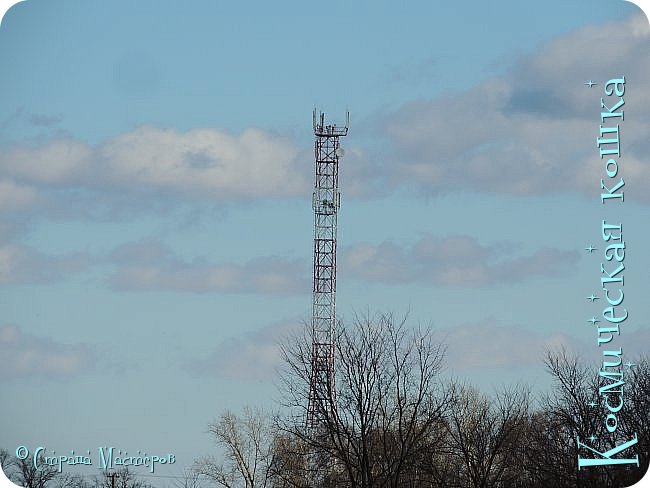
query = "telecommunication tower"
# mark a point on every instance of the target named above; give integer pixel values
(326, 202)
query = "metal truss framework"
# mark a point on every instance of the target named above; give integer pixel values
(326, 202)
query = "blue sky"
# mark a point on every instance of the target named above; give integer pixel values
(155, 196)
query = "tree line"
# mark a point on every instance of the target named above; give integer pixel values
(393, 420)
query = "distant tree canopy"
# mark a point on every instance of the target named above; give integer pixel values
(388, 405)
(24, 473)
(394, 423)
(247, 451)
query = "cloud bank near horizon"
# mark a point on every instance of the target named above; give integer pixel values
(23, 355)
(452, 261)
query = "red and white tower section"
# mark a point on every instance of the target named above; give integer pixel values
(326, 202)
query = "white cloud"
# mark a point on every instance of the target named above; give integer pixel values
(253, 355)
(633, 343)
(455, 260)
(59, 162)
(201, 162)
(533, 129)
(473, 346)
(488, 345)
(151, 266)
(528, 131)
(14, 196)
(24, 355)
(23, 265)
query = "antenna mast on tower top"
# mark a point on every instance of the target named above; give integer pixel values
(326, 201)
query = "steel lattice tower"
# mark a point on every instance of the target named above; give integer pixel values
(326, 202)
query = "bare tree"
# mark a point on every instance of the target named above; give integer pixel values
(574, 409)
(24, 473)
(564, 415)
(289, 467)
(5, 459)
(69, 480)
(124, 478)
(246, 444)
(190, 478)
(486, 437)
(387, 406)
(635, 419)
